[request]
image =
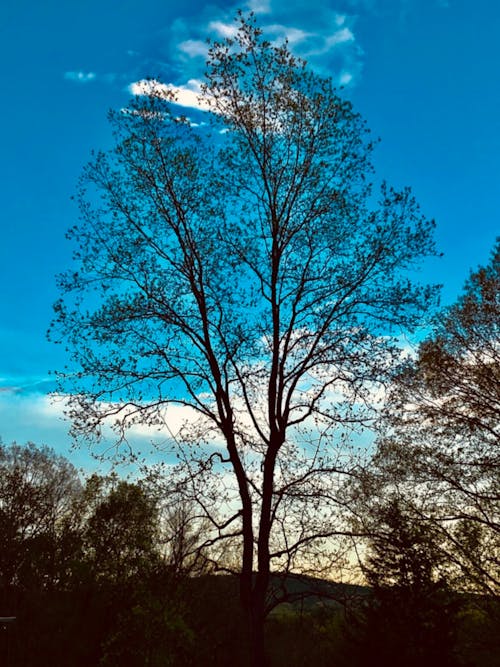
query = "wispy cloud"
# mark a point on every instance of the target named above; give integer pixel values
(194, 48)
(92, 77)
(292, 35)
(223, 29)
(39, 418)
(25, 385)
(326, 43)
(340, 37)
(345, 78)
(259, 6)
(80, 76)
(325, 38)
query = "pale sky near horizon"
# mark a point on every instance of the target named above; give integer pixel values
(423, 73)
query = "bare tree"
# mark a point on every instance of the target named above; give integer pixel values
(247, 273)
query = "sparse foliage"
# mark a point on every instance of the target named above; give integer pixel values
(248, 274)
(442, 445)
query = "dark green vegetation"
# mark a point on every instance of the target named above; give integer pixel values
(96, 573)
(84, 569)
(248, 272)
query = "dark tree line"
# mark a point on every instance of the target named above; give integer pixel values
(83, 567)
(97, 572)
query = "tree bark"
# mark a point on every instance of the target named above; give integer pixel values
(257, 616)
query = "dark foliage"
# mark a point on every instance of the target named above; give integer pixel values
(411, 616)
(102, 592)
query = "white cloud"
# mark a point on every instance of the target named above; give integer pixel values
(40, 418)
(152, 424)
(340, 37)
(293, 35)
(80, 77)
(174, 420)
(345, 78)
(326, 44)
(259, 6)
(31, 418)
(194, 48)
(223, 29)
(325, 37)
(188, 95)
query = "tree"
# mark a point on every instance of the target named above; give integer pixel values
(182, 533)
(121, 533)
(247, 274)
(37, 491)
(137, 602)
(410, 616)
(82, 568)
(441, 448)
(39, 543)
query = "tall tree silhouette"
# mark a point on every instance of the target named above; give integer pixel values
(247, 274)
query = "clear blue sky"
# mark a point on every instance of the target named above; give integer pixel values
(424, 74)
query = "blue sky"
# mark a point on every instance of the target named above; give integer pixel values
(424, 74)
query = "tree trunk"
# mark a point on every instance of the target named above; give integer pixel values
(257, 617)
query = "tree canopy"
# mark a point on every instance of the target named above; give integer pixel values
(441, 447)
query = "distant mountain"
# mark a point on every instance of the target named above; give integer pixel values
(306, 592)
